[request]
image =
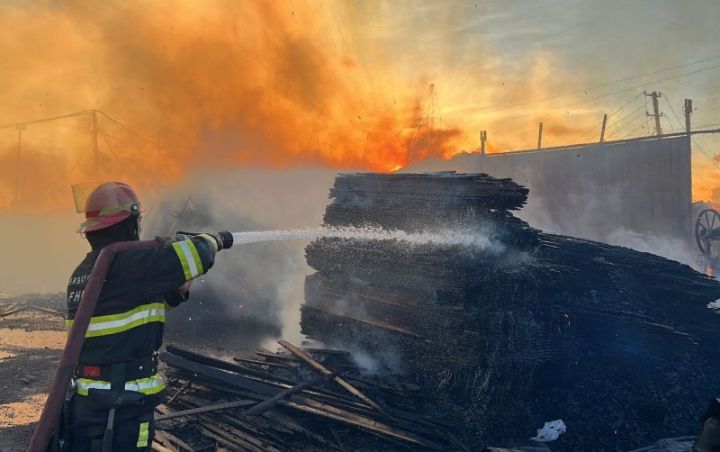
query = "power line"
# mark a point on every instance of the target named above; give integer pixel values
(632, 122)
(590, 130)
(21, 124)
(492, 108)
(80, 157)
(651, 82)
(669, 104)
(137, 134)
(670, 123)
(632, 131)
(705, 154)
(630, 115)
(111, 147)
(621, 108)
(102, 132)
(708, 125)
(598, 125)
(36, 121)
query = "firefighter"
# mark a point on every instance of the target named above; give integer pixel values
(116, 385)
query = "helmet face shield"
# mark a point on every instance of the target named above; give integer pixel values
(107, 204)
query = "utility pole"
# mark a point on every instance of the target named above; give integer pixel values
(602, 131)
(18, 176)
(94, 131)
(656, 110)
(687, 109)
(22, 126)
(483, 139)
(540, 136)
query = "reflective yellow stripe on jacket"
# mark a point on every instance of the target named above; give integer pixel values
(143, 435)
(147, 386)
(189, 258)
(104, 325)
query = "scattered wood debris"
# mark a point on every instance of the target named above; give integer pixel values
(308, 399)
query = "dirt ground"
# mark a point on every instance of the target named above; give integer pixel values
(32, 336)
(31, 341)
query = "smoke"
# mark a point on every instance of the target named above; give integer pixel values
(594, 209)
(254, 291)
(40, 251)
(379, 362)
(662, 245)
(594, 213)
(296, 84)
(273, 84)
(343, 84)
(204, 84)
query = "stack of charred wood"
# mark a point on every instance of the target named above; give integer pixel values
(300, 399)
(523, 328)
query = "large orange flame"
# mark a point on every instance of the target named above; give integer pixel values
(246, 83)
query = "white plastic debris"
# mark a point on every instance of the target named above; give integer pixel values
(550, 431)
(715, 305)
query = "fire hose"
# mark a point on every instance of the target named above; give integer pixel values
(50, 417)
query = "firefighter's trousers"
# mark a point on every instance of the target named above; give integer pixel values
(133, 428)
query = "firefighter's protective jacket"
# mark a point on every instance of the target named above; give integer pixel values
(128, 322)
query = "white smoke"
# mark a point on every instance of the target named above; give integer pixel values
(382, 362)
(254, 292)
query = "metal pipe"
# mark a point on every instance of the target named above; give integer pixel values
(49, 419)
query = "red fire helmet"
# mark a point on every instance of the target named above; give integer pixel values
(109, 204)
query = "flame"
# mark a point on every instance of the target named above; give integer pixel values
(277, 84)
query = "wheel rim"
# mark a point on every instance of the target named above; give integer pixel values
(707, 226)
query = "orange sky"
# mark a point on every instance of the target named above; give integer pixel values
(347, 85)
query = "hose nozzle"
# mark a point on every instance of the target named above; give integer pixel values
(225, 239)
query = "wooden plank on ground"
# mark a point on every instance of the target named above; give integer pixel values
(261, 363)
(346, 417)
(204, 409)
(325, 371)
(265, 405)
(172, 442)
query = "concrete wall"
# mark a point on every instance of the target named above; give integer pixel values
(597, 191)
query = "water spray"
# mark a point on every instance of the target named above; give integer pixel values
(465, 237)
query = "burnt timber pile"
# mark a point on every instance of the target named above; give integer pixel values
(297, 399)
(527, 328)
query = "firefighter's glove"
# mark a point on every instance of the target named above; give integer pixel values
(212, 240)
(223, 239)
